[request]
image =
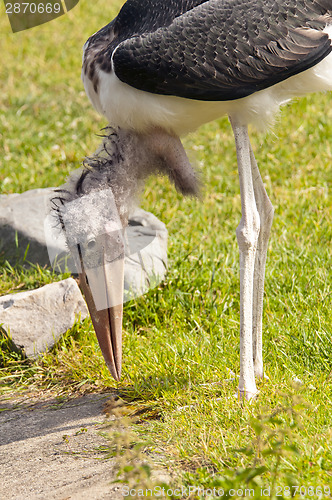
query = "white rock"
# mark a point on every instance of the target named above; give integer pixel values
(22, 221)
(36, 319)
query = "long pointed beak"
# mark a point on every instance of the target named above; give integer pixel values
(103, 290)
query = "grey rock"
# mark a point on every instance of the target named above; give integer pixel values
(27, 230)
(22, 225)
(146, 262)
(36, 319)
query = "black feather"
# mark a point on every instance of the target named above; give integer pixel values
(204, 49)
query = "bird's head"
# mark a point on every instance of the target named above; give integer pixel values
(93, 211)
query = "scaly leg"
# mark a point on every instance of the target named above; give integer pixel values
(247, 236)
(265, 210)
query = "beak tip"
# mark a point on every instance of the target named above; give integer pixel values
(114, 370)
(107, 322)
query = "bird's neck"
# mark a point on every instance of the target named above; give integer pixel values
(126, 158)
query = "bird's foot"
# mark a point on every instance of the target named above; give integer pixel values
(246, 395)
(259, 371)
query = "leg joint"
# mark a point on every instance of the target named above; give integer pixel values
(247, 232)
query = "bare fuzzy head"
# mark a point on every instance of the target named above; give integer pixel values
(121, 165)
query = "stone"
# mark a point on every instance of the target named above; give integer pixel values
(36, 319)
(22, 225)
(28, 232)
(146, 262)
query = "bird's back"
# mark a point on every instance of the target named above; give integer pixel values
(213, 51)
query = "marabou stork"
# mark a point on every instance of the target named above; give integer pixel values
(161, 69)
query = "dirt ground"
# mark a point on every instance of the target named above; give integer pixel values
(49, 450)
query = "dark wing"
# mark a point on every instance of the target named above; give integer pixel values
(226, 49)
(136, 17)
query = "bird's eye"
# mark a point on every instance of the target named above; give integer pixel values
(91, 243)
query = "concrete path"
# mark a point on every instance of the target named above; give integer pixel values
(49, 450)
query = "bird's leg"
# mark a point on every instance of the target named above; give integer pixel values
(265, 210)
(247, 236)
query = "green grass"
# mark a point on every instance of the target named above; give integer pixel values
(182, 337)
